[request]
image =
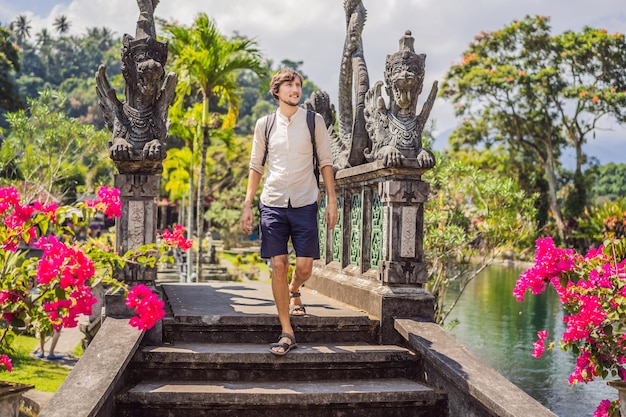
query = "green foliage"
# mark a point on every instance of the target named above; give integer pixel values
(9, 64)
(70, 147)
(176, 169)
(539, 94)
(227, 172)
(607, 219)
(45, 376)
(473, 218)
(207, 64)
(607, 181)
(225, 213)
(68, 64)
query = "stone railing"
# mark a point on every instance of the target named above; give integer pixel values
(373, 258)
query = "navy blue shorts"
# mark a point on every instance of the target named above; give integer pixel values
(279, 224)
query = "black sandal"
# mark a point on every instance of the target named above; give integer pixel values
(296, 307)
(286, 346)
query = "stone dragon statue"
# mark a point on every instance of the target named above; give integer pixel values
(139, 125)
(369, 130)
(396, 131)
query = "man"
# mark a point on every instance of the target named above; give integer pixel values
(289, 198)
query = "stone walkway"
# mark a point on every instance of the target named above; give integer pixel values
(67, 343)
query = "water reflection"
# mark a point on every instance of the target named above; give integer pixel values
(501, 331)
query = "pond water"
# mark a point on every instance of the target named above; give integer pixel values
(501, 331)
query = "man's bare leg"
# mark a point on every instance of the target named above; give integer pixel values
(301, 274)
(280, 290)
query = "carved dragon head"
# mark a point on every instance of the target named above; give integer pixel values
(143, 63)
(404, 77)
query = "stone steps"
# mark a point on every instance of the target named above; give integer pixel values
(349, 397)
(262, 329)
(215, 361)
(253, 362)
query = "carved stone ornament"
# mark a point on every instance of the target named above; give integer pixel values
(139, 125)
(396, 130)
(369, 130)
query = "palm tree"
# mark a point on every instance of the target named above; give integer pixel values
(43, 38)
(61, 24)
(208, 62)
(21, 28)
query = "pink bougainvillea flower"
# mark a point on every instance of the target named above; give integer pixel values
(147, 306)
(109, 202)
(550, 262)
(8, 198)
(538, 348)
(5, 362)
(603, 409)
(177, 238)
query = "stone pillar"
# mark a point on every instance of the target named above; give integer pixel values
(136, 227)
(374, 258)
(403, 231)
(138, 223)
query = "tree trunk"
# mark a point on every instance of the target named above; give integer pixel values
(552, 198)
(200, 203)
(206, 141)
(190, 224)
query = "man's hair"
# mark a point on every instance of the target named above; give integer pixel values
(283, 76)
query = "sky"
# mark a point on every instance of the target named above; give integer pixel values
(313, 32)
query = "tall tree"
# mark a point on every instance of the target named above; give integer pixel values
(539, 94)
(43, 38)
(21, 28)
(9, 64)
(51, 150)
(208, 63)
(62, 24)
(473, 218)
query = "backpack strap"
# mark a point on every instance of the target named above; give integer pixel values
(310, 121)
(269, 124)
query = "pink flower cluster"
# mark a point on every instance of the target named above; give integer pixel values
(73, 271)
(15, 217)
(109, 202)
(176, 238)
(539, 344)
(607, 409)
(592, 290)
(550, 263)
(5, 362)
(147, 305)
(65, 270)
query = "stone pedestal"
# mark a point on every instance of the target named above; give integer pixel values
(10, 395)
(403, 234)
(137, 225)
(620, 386)
(373, 258)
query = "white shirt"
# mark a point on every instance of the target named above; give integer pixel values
(290, 176)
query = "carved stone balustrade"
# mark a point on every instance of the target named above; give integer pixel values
(373, 258)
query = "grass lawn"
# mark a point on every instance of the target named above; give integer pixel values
(45, 376)
(245, 263)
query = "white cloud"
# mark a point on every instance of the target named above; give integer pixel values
(313, 31)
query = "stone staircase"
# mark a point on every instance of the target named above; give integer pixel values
(219, 365)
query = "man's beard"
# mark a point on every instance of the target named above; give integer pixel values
(290, 103)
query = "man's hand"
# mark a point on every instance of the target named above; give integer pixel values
(330, 217)
(247, 219)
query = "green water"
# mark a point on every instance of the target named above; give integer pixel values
(501, 331)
